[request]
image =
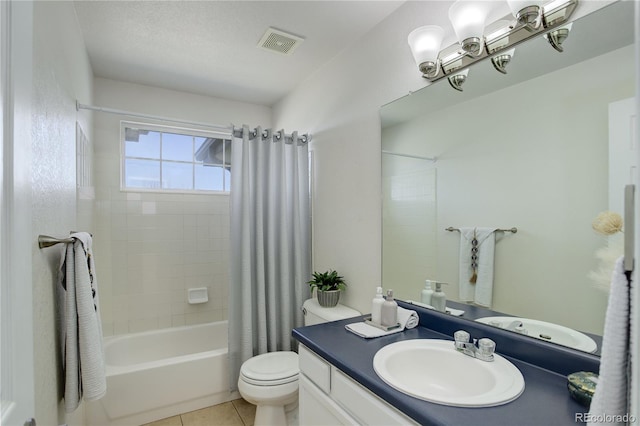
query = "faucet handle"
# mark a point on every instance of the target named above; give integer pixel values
(461, 337)
(486, 347)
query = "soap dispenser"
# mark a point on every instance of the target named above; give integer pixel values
(439, 299)
(427, 291)
(376, 307)
(389, 314)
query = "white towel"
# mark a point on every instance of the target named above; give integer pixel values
(480, 293)
(367, 331)
(611, 397)
(83, 353)
(407, 318)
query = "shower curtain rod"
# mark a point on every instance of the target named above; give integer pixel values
(218, 127)
(228, 129)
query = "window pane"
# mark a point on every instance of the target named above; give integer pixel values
(156, 159)
(142, 173)
(208, 178)
(199, 142)
(141, 143)
(177, 147)
(177, 175)
(227, 152)
(227, 179)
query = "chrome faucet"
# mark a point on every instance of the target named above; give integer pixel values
(482, 349)
(515, 325)
(512, 325)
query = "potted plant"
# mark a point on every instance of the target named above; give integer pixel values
(328, 286)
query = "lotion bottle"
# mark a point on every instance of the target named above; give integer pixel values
(439, 299)
(425, 295)
(376, 307)
(389, 314)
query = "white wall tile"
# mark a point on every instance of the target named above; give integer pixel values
(156, 245)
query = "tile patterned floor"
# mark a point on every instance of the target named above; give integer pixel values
(234, 413)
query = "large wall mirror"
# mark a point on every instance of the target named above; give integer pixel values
(529, 149)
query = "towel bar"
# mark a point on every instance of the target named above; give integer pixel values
(45, 241)
(514, 229)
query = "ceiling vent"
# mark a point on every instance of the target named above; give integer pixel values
(279, 41)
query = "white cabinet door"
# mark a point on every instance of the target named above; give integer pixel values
(317, 409)
(368, 408)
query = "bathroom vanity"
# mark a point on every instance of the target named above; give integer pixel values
(327, 396)
(338, 383)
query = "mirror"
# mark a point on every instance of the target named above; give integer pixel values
(528, 149)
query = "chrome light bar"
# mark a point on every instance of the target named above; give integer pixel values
(553, 15)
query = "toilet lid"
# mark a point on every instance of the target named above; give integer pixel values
(273, 368)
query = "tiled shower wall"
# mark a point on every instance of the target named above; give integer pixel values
(151, 247)
(160, 245)
(409, 244)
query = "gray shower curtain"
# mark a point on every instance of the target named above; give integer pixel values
(270, 243)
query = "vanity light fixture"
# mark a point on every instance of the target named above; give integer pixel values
(558, 36)
(425, 43)
(457, 80)
(500, 61)
(527, 12)
(468, 19)
(532, 18)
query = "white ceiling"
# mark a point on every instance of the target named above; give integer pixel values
(209, 47)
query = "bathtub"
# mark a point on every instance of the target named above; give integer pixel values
(162, 373)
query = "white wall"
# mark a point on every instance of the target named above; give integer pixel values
(339, 105)
(544, 171)
(151, 247)
(61, 74)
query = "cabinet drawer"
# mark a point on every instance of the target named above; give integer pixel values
(368, 408)
(315, 368)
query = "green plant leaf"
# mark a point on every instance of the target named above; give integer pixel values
(327, 281)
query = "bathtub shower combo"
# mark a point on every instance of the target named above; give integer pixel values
(162, 373)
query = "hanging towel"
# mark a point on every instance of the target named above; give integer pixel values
(611, 395)
(83, 355)
(479, 292)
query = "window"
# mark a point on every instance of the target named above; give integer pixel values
(162, 158)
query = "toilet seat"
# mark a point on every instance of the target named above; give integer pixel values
(270, 369)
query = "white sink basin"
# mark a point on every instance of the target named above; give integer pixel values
(432, 370)
(547, 331)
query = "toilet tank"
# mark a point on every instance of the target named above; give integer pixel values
(316, 314)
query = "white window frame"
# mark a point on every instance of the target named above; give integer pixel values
(174, 130)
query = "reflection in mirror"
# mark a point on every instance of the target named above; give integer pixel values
(529, 150)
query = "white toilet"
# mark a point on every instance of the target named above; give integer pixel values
(270, 381)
